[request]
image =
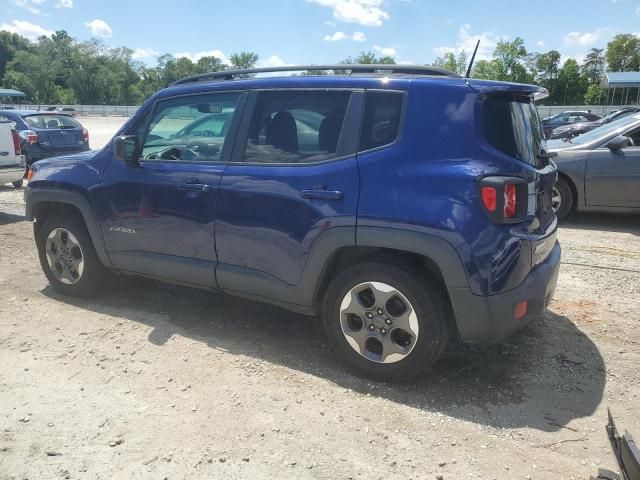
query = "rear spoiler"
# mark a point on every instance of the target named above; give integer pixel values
(485, 88)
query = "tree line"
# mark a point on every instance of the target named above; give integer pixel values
(572, 83)
(61, 70)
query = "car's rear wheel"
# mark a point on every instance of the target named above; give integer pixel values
(67, 256)
(17, 183)
(562, 199)
(386, 321)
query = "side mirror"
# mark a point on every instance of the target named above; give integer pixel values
(125, 148)
(618, 143)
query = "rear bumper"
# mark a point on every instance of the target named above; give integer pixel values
(490, 319)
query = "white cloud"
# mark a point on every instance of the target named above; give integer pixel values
(194, 57)
(467, 43)
(638, 11)
(540, 43)
(363, 12)
(140, 53)
(29, 5)
(64, 4)
(26, 29)
(99, 28)
(273, 61)
(339, 36)
(584, 39)
(385, 51)
(336, 37)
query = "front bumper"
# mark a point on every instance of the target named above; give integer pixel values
(490, 319)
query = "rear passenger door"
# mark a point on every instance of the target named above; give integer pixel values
(293, 178)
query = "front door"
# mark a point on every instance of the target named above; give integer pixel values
(293, 178)
(612, 177)
(158, 219)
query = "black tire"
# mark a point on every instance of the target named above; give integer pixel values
(428, 300)
(17, 183)
(93, 273)
(566, 199)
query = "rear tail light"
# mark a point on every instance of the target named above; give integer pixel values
(29, 135)
(16, 142)
(505, 199)
(30, 174)
(85, 135)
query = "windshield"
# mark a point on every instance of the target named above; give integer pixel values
(49, 121)
(512, 125)
(605, 130)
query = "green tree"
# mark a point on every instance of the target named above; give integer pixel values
(452, 62)
(623, 53)
(571, 86)
(594, 65)
(485, 70)
(594, 94)
(509, 57)
(243, 60)
(369, 58)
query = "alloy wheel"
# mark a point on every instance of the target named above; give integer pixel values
(65, 256)
(379, 322)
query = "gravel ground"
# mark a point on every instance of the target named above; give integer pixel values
(156, 381)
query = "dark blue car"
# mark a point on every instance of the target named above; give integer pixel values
(404, 206)
(47, 134)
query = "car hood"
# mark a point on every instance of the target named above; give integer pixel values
(67, 159)
(559, 145)
(580, 125)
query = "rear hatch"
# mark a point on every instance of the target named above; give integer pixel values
(513, 127)
(56, 131)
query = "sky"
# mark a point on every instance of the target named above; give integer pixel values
(289, 32)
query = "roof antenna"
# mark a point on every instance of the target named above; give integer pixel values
(473, 57)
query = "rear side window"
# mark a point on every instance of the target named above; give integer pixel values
(296, 126)
(381, 122)
(513, 127)
(51, 121)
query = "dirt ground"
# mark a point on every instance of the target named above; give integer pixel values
(156, 381)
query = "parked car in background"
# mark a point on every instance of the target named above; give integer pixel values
(599, 170)
(574, 129)
(565, 118)
(47, 134)
(66, 110)
(12, 163)
(338, 196)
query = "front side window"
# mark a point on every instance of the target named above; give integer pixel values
(512, 126)
(381, 120)
(296, 126)
(192, 128)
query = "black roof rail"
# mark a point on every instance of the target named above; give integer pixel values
(360, 68)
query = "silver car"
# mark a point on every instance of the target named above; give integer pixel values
(599, 170)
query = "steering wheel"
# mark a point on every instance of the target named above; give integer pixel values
(202, 149)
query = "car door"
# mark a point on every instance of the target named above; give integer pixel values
(612, 177)
(293, 179)
(157, 218)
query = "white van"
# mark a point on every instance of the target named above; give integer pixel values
(12, 163)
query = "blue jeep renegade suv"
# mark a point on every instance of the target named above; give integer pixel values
(403, 205)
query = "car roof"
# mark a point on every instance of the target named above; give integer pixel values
(392, 81)
(23, 113)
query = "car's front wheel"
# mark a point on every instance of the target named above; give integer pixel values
(386, 320)
(562, 199)
(67, 256)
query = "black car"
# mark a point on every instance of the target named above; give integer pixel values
(574, 129)
(569, 117)
(47, 134)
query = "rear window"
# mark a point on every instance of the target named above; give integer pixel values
(50, 121)
(381, 122)
(513, 127)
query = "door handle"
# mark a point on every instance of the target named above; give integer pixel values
(193, 187)
(317, 194)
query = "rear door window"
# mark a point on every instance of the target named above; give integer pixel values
(381, 119)
(512, 126)
(296, 126)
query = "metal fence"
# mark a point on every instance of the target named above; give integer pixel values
(84, 110)
(128, 110)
